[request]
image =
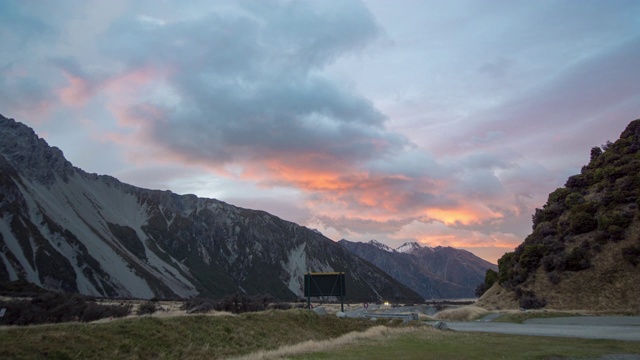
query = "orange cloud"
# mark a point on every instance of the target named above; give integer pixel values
(466, 214)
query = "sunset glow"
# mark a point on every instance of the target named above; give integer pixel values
(431, 121)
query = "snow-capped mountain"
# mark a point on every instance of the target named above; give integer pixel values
(67, 230)
(380, 246)
(434, 273)
(409, 247)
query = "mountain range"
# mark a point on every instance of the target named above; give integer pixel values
(64, 229)
(433, 272)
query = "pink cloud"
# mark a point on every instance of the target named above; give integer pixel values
(77, 92)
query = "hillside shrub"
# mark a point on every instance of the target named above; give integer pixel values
(531, 256)
(582, 222)
(589, 207)
(490, 278)
(573, 199)
(545, 228)
(577, 182)
(505, 265)
(554, 261)
(632, 255)
(616, 233)
(549, 212)
(558, 195)
(577, 260)
(618, 218)
(528, 300)
(554, 277)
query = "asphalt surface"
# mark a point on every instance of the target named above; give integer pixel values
(625, 328)
(587, 327)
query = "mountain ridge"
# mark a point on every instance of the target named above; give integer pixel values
(435, 273)
(68, 230)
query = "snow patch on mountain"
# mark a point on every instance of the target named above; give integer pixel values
(381, 246)
(408, 247)
(296, 266)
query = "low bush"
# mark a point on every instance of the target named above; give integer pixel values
(147, 308)
(236, 303)
(577, 259)
(198, 305)
(632, 255)
(530, 301)
(582, 222)
(56, 308)
(554, 278)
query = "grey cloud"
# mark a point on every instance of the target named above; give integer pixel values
(21, 28)
(245, 99)
(478, 184)
(594, 85)
(363, 226)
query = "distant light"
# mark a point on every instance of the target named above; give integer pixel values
(386, 303)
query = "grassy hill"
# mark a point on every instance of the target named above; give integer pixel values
(584, 251)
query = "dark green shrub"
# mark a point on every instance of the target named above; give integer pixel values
(573, 199)
(554, 261)
(545, 228)
(616, 233)
(577, 259)
(632, 255)
(147, 307)
(490, 278)
(505, 264)
(577, 182)
(531, 256)
(619, 218)
(549, 212)
(589, 207)
(582, 223)
(554, 278)
(558, 196)
(528, 300)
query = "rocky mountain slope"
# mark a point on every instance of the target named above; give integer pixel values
(67, 230)
(435, 273)
(584, 251)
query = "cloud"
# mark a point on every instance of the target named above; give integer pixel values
(251, 92)
(438, 122)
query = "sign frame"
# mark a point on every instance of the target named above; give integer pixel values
(325, 284)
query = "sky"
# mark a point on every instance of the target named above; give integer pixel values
(441, 122)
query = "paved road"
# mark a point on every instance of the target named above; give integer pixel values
(586, 327)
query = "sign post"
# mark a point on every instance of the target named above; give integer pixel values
(325, 284)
